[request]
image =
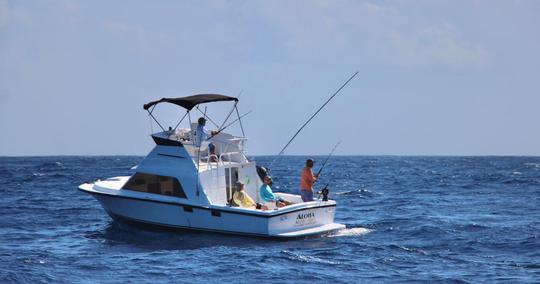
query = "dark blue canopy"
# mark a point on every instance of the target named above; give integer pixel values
(191, 101)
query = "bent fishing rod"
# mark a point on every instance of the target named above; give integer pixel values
(328, 158)
(325, 191)
(315, 114)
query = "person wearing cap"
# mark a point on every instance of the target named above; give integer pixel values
(307, 179)
(267, 195)
(242, 199)
(202, 135)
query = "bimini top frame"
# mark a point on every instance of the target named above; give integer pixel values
(190, 102)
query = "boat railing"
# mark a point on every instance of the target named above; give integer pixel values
(228, 155)
(212, 165)
(212, 162)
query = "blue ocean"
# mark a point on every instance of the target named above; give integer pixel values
(409, 219)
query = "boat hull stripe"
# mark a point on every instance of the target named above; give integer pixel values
(119, 217)
(173, 156)
(207, 208)
(166, 142)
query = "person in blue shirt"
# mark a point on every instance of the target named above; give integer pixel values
(268, 196)
(202, 135)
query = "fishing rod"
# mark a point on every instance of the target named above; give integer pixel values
(231, 123)
(325, 191)
(229, 115)
(315, 114)
(328, 158)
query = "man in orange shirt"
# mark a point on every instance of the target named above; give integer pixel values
(307, 178)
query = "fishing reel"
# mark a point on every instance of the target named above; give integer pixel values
(324, 193)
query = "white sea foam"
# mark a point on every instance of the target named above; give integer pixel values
(35, 261)
(347, 192)
(351, 232)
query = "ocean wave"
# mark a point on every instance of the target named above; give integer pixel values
(306, 258)
(534, 165)
(51, 164)
(472, 227)
(409, 249)
(391, 212)
(364, 192)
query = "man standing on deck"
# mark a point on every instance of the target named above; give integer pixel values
(307, 179)
(202, 135)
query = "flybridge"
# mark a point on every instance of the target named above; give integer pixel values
(194, 101)
(219, 146)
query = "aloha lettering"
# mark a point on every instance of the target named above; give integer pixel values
(302, 216)
(305, 219)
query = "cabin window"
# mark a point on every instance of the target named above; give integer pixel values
(156, 184)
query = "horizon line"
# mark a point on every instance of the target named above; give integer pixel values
(291, 155)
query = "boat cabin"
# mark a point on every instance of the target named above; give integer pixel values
(212, 174)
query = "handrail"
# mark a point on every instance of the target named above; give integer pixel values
(209, 163)
(229, 155)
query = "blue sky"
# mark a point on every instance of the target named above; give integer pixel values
(435, 77)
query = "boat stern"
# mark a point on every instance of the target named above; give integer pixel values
(308, 219)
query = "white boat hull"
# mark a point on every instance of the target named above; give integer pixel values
(299, 220)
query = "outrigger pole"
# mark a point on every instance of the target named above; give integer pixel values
(229, 115)
(315, 114)
(230, 123)
(240, 121)
(232, 109)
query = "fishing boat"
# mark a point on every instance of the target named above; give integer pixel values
(187, 184)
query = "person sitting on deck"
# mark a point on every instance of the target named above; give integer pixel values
(242, 199)
(306, 181)
(268, 196)
(202, 135)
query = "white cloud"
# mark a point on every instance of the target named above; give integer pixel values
(435, 45)
(360, 30)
